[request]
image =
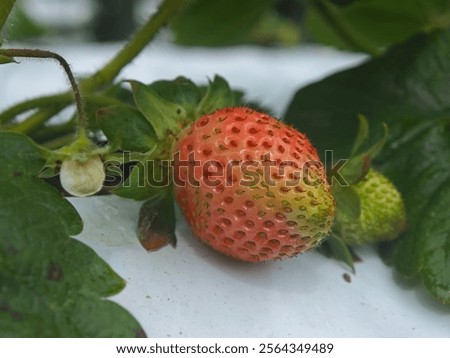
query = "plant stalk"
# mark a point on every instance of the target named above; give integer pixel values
(38, 102)
(100, 79)
(140, 39)
(28, 53)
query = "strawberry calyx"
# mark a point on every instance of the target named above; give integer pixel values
(170, 106)
(81, 168)
(144, 135)
(141, 140)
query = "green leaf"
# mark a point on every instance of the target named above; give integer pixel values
(27, 157)
(156, 225)
(181, 91)
(119, 92)
(348, 202)
(22, 27)
(148, 178)
(420, 169)
(5, 8)
(375, 23)
(359, 164)
(126, 128)
(218, 95)
(52, 285)
(435, 254)
(362, 136)
(336, 248)
(165, 117)
(408, 88)
(218, 22)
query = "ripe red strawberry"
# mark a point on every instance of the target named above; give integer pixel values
(250, 186)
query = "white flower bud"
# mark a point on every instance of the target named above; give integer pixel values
(82, 178)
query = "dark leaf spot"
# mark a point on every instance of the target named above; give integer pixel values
(54, 272)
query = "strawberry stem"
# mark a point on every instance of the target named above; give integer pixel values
(29, 53)
(141, 38)
(98, 80)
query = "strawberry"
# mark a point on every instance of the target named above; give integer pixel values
(382, 216)
(250, 186)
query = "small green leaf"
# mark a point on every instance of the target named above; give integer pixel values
(358, 166)
(23, 27)
(348, 202)
(51, 284)
(218, 95)
(126, 129)
(165, 117)
(156, 225)
(336, 248)
(363, 134)
(181, 91)
(148, 179)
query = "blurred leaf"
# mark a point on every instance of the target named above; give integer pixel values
(21, 27)
(342, 2)
(375, 23)
(218, 22)
(273, 29)
(165, 117)
(51, 284)
(362, 136)
(409, 89)
(5, 8)
(156, 225)
(126, 129)
(120, 92)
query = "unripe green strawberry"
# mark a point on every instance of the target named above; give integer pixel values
(250, 186)
(82, 177)
(382, 215)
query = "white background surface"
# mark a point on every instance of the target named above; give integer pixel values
(192, 291)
